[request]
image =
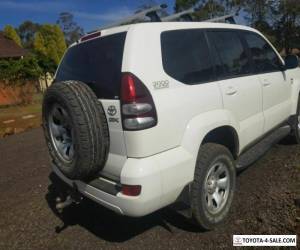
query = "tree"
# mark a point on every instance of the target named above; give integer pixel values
(287, 23)
(232, 6)
(11, 33)
(47, 66)
(181, 5)
(71, 29)
(39, 44)
(258, 11)
(49, 41)
(19, 71)
(209, 8)
(149, 4)
(26, 32)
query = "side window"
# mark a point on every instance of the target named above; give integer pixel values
(264, 57)
(185, 56)
(232, 55)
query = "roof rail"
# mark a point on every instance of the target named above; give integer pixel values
(181, 16)
(225, 19)
(150, 13)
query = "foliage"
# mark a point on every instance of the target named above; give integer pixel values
(49, 41)
(181, 5)
(287, 24)
(71, 29)
(47, 44)
(46, 64)
(26, 32)
(151, 3)
(208, 8)
(257, 10)
(279, 20)
(18, 71)
(11, 33)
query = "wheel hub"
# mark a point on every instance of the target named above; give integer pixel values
(211, 185)
(217, 186)
(60, 127)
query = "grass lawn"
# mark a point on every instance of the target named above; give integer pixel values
(12, 118)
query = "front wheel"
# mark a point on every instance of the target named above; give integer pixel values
(213, 187)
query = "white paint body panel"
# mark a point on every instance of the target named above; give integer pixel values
(117, 150)
(276, 98)
(242, 98)
(162, 159)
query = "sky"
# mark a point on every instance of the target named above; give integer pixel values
(89, 14)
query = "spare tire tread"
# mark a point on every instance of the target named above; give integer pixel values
(90, 127)
(87, 92)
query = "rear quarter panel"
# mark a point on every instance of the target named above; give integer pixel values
(176, 104)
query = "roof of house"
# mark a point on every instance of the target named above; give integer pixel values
(9, 49)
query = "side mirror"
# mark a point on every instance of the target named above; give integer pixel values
(291, 62)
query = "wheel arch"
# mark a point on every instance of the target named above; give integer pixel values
(206, 127)
(226, 136)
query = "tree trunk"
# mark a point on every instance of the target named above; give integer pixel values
(46, 80)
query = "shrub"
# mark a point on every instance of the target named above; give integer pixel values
(18, 72)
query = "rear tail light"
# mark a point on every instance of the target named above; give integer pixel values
(138, 109)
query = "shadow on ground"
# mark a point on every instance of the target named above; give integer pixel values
(107, 224)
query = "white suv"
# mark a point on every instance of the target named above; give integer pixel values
(146, 115)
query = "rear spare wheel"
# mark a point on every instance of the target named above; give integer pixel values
(76, 129)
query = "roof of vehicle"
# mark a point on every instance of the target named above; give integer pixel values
(163, 26)
(177, 25)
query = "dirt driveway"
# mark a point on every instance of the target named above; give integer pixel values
(265, 203)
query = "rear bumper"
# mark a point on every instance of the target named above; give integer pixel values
(162, 177)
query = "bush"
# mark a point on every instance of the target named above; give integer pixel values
(18, 72)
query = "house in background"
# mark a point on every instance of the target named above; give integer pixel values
(9, 49)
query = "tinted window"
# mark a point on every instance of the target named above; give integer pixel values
(263, 55)
(186, 56)
(232, 57)
(98, 63)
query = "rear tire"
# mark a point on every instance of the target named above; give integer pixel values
(213, 187)
(76, 129)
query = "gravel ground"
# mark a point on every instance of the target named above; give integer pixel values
(265, 203)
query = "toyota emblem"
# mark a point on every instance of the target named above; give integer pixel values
(111, 110)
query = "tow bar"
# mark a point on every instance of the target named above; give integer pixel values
(73, 197)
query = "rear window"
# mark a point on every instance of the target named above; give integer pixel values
(97, 63)
(186, 57)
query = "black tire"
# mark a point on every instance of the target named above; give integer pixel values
(86, 125)
(294, 136)
(209, 155)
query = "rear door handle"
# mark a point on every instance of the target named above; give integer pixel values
(231, 90)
